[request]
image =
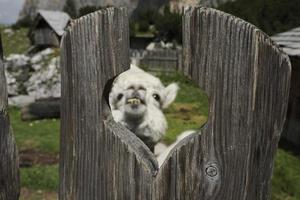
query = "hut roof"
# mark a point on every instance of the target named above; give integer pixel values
(289, 41)
(56, 19)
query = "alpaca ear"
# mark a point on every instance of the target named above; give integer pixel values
(170, 94)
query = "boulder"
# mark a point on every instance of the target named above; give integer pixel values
(17, 70)
(20, 101)
(45, 82)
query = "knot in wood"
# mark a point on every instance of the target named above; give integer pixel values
(211, 171)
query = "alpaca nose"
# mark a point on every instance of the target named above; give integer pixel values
(136, 94)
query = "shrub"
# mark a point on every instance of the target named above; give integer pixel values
(272, 16)
(24, 22)
(70, 8)
(87, 10)
(167, 24)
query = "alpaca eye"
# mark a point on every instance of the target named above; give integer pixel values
(119, 97)
(156, 97)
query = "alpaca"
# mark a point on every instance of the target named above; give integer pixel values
(137, 99)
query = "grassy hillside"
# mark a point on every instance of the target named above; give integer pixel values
(286, 177)
(16, 42)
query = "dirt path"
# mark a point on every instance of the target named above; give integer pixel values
(30, 157)
(28, 194)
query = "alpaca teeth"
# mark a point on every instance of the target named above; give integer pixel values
(134, 101)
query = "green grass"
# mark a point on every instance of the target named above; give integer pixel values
(40, 177)
(189, 111)
(40, 135)
(286, 177)
(16, 43)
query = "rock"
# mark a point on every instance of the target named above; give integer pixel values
(36, 59)
(9, 32)
(30, 7)
(37, 76)
(20, 101)
(15, 62)
(45, 82)
(40, 56)
(169, 45)
(151, 46)
(160, 45)
(46, 52)
(17, 70)
(12, 87)
(42, 109)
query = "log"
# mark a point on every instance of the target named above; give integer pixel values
(9, 164)
(246, 77)
(41, 109)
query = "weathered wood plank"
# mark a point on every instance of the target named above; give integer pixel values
(98, 158)
(246, 78)
(9, 163)
(291, 133)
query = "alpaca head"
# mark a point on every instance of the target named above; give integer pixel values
(137, 99)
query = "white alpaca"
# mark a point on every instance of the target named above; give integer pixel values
(137, 99)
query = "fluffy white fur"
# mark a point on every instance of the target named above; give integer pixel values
(137, 99)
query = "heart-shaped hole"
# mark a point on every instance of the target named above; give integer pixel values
(161, 109)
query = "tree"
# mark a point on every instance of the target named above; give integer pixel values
(167, 24)
(25, 22)
(87, 10)
(70, 8)
(272, 16)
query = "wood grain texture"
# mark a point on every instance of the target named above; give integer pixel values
(246, 78)
(9, 163)
(247, 81)
(96, 155)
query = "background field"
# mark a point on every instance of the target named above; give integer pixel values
(189, 111)
(38, 141)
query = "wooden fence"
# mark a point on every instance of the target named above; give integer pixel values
(9, 164)
(160, 60)
(245, 76)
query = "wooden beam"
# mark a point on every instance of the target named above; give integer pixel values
(9, 161)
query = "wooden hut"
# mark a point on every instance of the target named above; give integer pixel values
(47, 29)
(290, 43)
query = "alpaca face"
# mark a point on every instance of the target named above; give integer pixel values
(137, 99)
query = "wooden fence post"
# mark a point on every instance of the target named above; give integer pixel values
(9, 163)
(96, 154)
(246, 78)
